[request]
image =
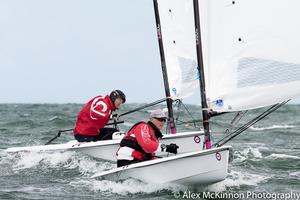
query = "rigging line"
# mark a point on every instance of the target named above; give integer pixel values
(58, 135)
(247, 125)
(144, 106)
(190, 121)
(194, 122)
(236, 120)
(255, 120)
(178, 105)
(269, 112)
(189, 113)
(242, 128)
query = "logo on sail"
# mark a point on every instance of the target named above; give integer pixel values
(219, 102)
(174, 91)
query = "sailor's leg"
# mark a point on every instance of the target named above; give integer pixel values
(121, 163)
(106, 133)
(84, 138)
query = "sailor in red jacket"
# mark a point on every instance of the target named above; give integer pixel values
(142, 141)
(94, 116)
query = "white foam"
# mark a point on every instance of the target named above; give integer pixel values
(237, 179)
(53, 118)
(129, 186)
(5, 163)
(27, 189)
(248, 152)
(296, 174)
(66, 159)
(279, 156)
(271, 127)
(88, 166)
(31, 159)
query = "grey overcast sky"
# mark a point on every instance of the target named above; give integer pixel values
(67, 51)
(62, 51)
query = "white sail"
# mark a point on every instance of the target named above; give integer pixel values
(252, 52)
(178, 36)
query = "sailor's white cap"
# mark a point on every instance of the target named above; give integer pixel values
(158, 114)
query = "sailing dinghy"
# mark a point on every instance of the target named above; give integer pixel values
(106, 149)
(206, 165)
(246, 57)
(198, 167)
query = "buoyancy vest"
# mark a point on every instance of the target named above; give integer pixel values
(131, 142)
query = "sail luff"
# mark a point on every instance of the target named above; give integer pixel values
(171, 122)
(201, 75)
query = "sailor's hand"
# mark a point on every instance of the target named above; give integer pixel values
(172, 148)
(163, 147)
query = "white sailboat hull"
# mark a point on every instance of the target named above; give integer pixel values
(200, 167)
(106, 149)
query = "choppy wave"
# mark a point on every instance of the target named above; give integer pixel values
(54, 118)
(248, 153)
(282, 156)
(128, 186)
(68, 160)
(88, 166)
(296, 174)
(237, 179)
(260, 161)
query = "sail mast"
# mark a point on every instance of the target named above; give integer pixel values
(201, 75)
(171, 122)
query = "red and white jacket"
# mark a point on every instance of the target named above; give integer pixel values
(93, 116)
(140, 140)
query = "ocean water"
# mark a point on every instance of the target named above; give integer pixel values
(265, 161)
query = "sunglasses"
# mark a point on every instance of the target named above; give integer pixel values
(160, 119)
